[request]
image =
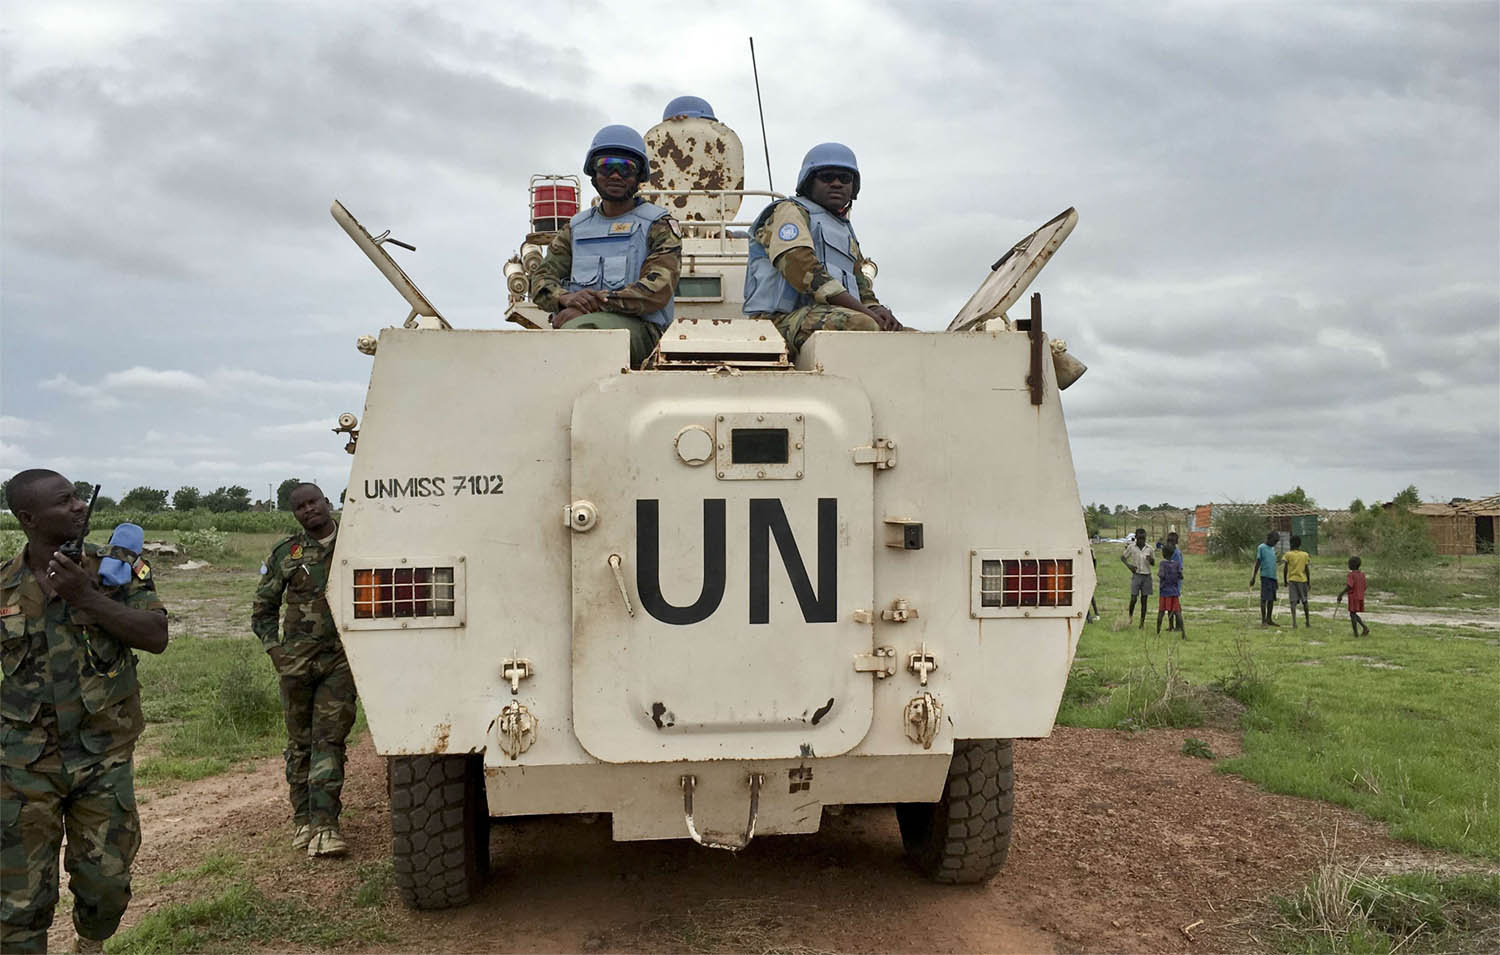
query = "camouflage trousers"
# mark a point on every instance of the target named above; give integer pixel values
(797, 326)
(643, 334)
(317, 699)
(95, 806)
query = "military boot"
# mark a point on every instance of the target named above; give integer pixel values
(81, 944)
(327, 842)
(302, 835)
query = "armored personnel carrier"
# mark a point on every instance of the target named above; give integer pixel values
(714, 597)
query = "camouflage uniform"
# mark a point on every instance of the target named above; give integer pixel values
(317, 688)
(71, 709)
(652, 292)
(799, 265)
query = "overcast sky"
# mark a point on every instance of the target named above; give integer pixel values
(1286, 268)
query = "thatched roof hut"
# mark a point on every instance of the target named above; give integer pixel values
(1462, 527)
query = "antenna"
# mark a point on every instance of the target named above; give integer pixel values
(764, 145)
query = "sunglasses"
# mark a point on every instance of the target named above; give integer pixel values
(616, 166)
(835, 175)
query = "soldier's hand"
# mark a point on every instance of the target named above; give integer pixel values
(66, 578)
(561, 318)
(584, 300)
(886, 319)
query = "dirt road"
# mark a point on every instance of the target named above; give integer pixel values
(1120, 842)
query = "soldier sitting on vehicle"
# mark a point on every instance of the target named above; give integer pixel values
(614, 265)
(803, 270)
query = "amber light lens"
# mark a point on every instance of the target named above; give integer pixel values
(387, 592)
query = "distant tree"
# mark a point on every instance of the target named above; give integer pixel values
(1356, 506)
(144, 499)
(284, 493)
(83, 489)
(1165, 507)
(341, 496)
(105, 502)
(1143, 508)
(232, 498)
(1119, 508)
(1295, 496)
(1408, 497)
(187, 498)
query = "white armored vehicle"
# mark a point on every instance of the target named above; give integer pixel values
(712, 597)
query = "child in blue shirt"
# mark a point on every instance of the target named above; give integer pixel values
(1169, 575)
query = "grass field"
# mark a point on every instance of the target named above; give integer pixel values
(1403, 725)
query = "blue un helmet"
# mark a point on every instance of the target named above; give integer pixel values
(689, 106)
(618, 139)
(825, 156)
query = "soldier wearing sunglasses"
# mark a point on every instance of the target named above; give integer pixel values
(614, 265)
(803, 270)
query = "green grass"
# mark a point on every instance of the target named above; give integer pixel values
(1347, 912)
(238, 916)
(1403, 726)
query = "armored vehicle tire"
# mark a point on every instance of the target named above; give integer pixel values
(440, 829)
(963, 838)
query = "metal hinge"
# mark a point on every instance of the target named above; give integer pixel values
(882, 454)
(899, 611)
(515, 669)
(881, 662)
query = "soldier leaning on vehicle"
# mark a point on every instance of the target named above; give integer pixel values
(803, 271)
(317, 688)
(614, 265)
(71, 709)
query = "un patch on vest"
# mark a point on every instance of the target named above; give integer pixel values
(788, 232)
(621, 228)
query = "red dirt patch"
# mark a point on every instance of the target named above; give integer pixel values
(1120, 842)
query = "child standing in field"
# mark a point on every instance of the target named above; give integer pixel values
(1354, 586)
(1169, 574)
(1296, 574)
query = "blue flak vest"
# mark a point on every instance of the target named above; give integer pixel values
(833, 243)
(608, 253)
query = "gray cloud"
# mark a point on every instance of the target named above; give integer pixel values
(1286, 270)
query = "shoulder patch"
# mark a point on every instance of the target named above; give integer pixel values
(672, 224)
(263, 568)
(788, 231)
(296, 552)
(142, 569)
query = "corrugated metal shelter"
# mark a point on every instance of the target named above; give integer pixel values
(1462, 527)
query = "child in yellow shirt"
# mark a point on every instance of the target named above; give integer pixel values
(1296, 574)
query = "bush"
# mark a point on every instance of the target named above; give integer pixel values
(238, 522)
(1396, 538)
(1238, 530)
(208, 542)
(11, 543)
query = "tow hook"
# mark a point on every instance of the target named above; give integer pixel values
(690, 783)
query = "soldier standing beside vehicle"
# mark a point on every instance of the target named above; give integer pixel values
(803, 270)
(614, 265)
(317, 687)
(71, 714)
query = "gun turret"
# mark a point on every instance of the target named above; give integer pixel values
(73, 549)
